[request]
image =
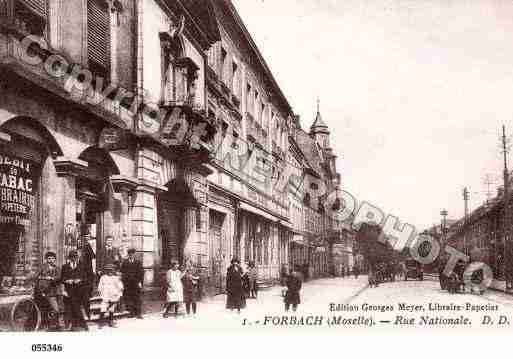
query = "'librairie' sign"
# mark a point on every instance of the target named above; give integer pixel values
(18, 189)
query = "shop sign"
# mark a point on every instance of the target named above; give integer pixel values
(19, 179)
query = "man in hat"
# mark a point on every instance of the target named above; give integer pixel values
(47, 291)
(132, 275)
(73, 277)
(112, 255)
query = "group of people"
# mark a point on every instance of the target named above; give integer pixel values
(241, 284)
(181, 287)
(72, 286)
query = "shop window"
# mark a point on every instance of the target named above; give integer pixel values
(267, 238)
(19, 214)
(248, 241)
(99, 39)
(31, 16)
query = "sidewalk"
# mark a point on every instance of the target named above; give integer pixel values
(316, 295)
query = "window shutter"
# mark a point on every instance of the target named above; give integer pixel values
(37, 6)
(98, 36)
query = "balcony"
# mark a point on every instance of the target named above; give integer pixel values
(213, 82)
(251, 129)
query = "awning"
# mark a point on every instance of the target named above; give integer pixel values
(258, 212)
(287, 225)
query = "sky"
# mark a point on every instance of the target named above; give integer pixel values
(415, 92)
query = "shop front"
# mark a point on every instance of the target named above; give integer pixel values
(21, 163)
(50, 202)
(264, 241)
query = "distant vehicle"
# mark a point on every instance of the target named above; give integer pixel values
(413, 270)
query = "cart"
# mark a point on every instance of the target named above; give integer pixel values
(19, 312)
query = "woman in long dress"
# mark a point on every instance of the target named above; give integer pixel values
(174, 293)
(235, 298)
(292, 296)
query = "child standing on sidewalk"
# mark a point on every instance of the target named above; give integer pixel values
(111, 290)
(191, 290)
(174, 292)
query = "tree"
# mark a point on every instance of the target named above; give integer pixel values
(371, 247)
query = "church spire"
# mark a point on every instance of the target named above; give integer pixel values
(318, 126)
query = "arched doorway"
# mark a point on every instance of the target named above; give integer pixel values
(95, 204)
(171, 207)
(26, 152)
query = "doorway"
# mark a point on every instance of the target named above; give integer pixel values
(217, 251)
(170, 232)
(12, 250)
(89, 222)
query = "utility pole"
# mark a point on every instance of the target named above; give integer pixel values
(506, 202)
(444, 214)
(465, 199)
(488, 181)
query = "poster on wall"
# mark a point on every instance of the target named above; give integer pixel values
(18, 190)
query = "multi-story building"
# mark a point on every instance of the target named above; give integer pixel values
(248, 211)
(159, 124)
(313, 243)
(480, 235)
(62, 67)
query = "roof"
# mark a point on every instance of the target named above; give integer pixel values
(256, 52)
(318, 125)
(203, 13)
(309, 148)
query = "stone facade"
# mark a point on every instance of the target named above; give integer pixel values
(156, 123)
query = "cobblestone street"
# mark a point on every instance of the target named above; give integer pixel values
(212, 315)
(377, 307)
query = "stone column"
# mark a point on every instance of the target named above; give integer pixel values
(67, 170)
(124, 188)
(190, 243)
(243, 234)
(144, 229)
(195, 237)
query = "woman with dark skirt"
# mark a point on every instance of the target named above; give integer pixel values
(235, 298)
(292, 297)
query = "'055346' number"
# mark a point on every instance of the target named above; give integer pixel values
(47, 347)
